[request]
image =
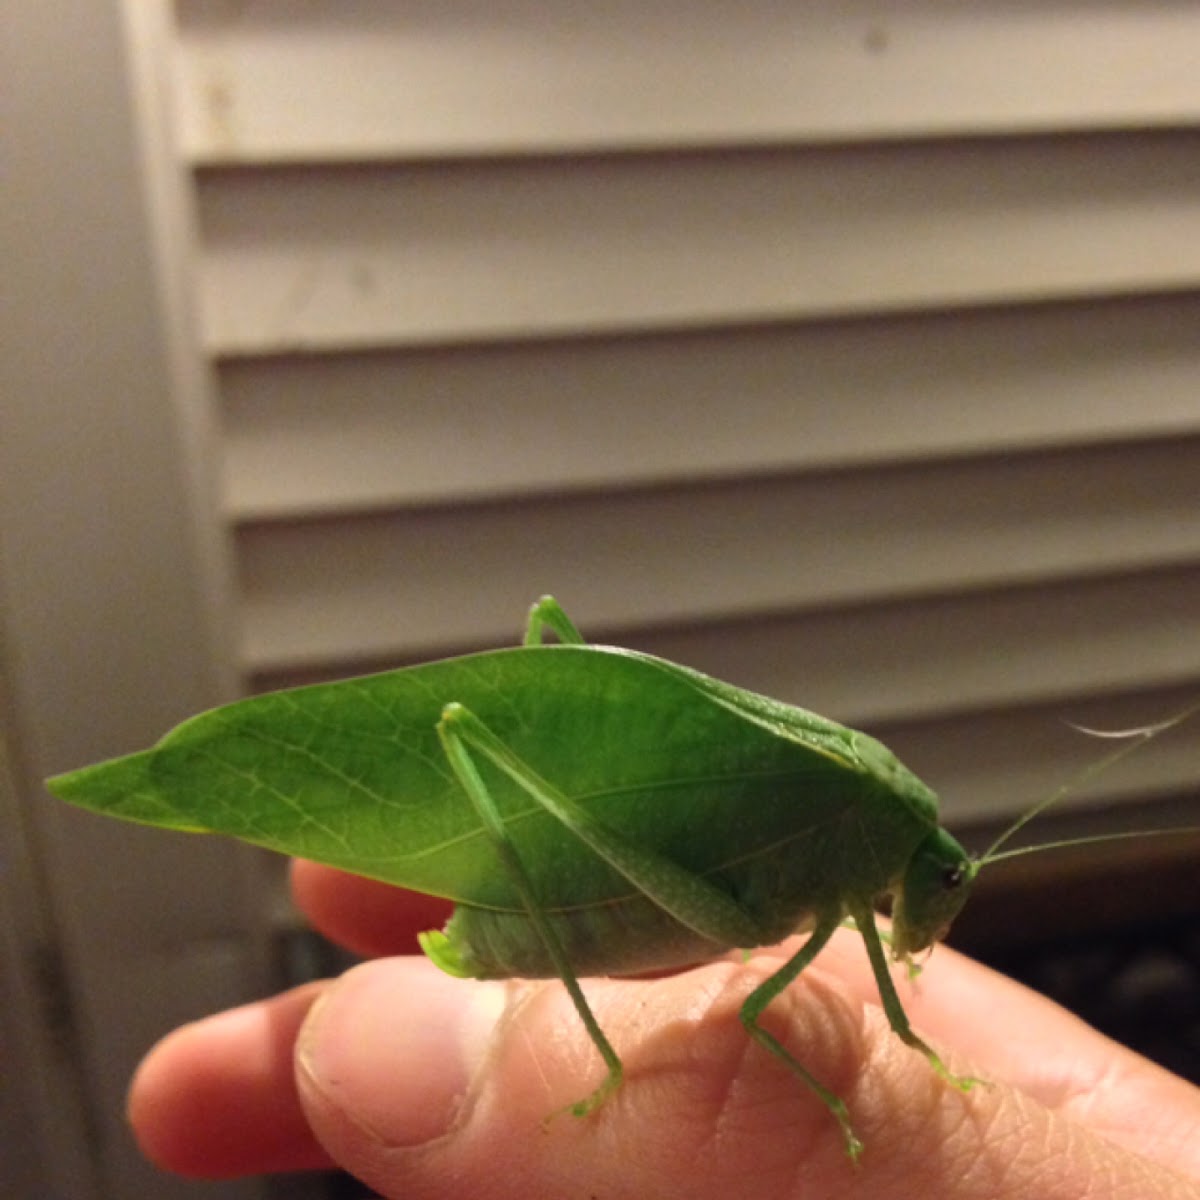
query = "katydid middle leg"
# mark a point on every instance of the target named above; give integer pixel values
(894, 1010)
(771, 987)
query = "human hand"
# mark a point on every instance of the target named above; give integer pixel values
(427, 1086)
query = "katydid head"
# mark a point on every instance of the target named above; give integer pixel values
(940, 874)
(936, 884)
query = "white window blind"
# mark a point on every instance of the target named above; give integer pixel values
(850, 351)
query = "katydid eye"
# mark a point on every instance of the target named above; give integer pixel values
(952, 877)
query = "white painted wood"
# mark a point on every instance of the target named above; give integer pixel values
(930, 657)
(104, 616)
(990, 765)
(337, 259)
(428, 578)
(45, 1129)
(346, 432)
(191, 398)
(927, 656)
(312, 81)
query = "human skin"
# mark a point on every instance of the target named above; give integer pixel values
(429, 1087)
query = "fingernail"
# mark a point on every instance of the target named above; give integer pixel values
(394, 1045)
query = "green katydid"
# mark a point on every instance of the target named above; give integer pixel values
(590, 811)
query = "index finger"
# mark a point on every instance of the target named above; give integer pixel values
(1012, 1033)
(1020, 1037)
(424, 1086)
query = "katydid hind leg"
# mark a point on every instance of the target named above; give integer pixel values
(690, 899)
(547, 613)
(754, 1005)
(892, 1007)
(463, 765)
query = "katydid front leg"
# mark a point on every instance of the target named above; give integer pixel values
(894, 1010)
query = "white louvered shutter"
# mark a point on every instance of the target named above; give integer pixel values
(851, 351)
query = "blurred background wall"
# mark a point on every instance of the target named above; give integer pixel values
(848, 351)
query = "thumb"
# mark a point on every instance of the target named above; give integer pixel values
(427, 1086)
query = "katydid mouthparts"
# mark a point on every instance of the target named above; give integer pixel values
(589, 810)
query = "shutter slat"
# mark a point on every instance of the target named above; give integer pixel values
(349, 432)
(991, 765)
(931, 656)
(358, 257)
(382, 80)
(366, 586)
